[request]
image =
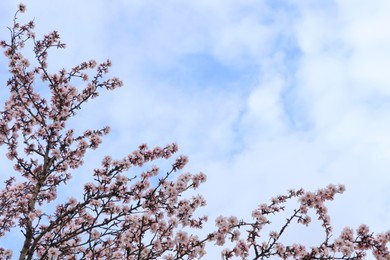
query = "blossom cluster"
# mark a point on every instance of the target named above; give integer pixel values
(346, 246)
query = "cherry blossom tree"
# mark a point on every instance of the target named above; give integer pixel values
(123, 215)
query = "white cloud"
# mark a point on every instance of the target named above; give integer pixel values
(265, 110)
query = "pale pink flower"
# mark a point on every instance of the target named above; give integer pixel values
(95, 234)
(22, 8)
(363, 230)
(274, 235)
(53, 253)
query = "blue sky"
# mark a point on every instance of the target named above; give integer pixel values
(262, 96)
